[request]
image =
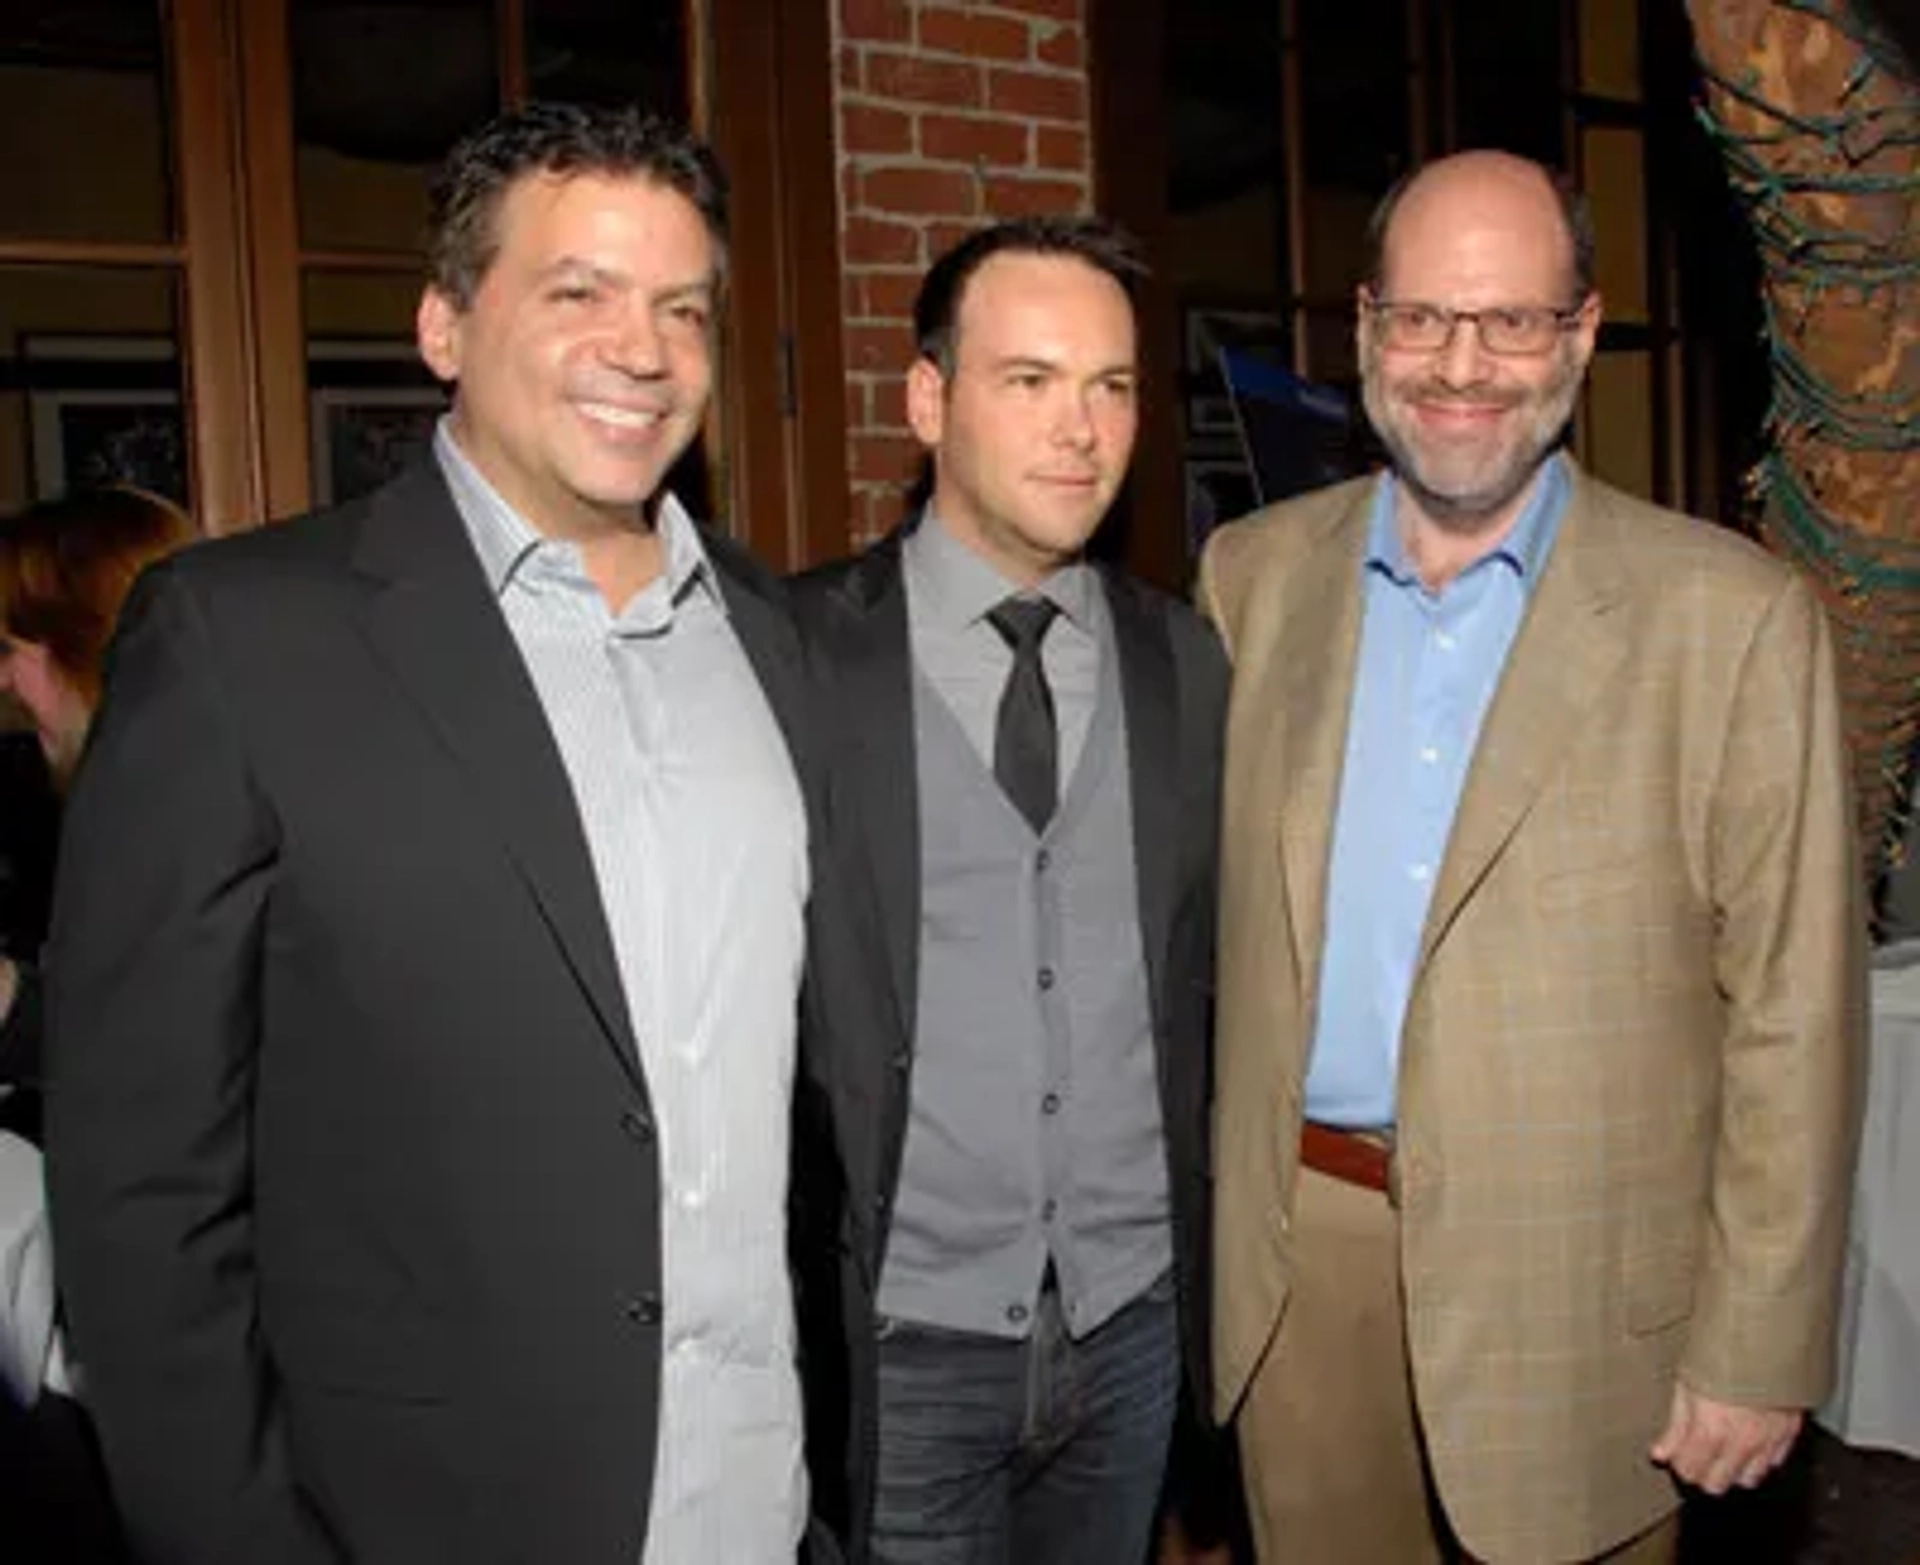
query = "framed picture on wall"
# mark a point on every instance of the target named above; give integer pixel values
(361, 438)
(103, 409)
(372, 408)
(1206, 329)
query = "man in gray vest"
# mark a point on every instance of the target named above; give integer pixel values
(1010, 942)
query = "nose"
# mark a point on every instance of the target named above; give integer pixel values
(635, 347)
(1073, 425)
(1464, 360)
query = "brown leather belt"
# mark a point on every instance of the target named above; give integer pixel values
(1359, 1157)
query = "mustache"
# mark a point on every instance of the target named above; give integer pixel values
(1454, 396)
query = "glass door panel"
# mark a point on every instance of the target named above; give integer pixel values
(380, 89)
(84, 121)
(609, 51)
(90, 382)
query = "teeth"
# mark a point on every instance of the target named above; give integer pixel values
(624, 418)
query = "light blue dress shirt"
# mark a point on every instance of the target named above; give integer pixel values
(1428, 666)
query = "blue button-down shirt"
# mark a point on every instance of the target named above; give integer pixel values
(1429, 663)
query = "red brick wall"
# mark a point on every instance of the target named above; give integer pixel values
(950, 116)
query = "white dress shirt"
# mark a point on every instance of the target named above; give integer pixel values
(698, 838)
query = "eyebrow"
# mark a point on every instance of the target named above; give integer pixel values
(1016, 361)
(573, 265)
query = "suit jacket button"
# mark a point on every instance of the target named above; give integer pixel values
(637, 1125)
(645, 1310)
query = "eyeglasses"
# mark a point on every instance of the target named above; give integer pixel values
(1514, 331)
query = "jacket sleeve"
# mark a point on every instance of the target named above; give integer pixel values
(1791, 967)
(166, 875)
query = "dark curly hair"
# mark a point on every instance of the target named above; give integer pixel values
(464, 196)
(1101, 244)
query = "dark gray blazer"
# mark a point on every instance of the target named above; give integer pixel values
(353, 1167)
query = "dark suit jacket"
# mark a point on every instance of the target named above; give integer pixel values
(353, 1169)
(863, 954)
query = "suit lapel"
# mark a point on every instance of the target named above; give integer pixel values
(1316, 650)
(1568, 647)
(765, 633)
(1149, 686)
(432, 620)
(873, 694)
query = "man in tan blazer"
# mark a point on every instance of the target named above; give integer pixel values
(1540, 988)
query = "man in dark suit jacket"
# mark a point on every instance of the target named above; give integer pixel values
(1009, 947)
(426, 950)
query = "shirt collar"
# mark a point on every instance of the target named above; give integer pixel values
(505, 540)
(1524, 550)
(956, 588)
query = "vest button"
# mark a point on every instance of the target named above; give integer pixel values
(1050, 1104)
(1043, 861)
(1046, 978)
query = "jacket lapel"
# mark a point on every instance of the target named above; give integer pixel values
(1315, 654)
(1148, 686)
(872, 683)
(432, 620)
(764, 628)
(1568, 647)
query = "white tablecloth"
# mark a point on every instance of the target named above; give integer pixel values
(26, 1272)
(1876, 1398)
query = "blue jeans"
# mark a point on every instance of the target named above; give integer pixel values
(1042, 1452)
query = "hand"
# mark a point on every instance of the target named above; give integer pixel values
(9, 985)
(1717, 1445)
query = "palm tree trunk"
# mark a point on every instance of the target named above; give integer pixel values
(1818, 117)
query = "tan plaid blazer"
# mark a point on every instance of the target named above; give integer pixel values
(1629, 1068)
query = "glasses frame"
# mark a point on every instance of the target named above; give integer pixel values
(1564, 318)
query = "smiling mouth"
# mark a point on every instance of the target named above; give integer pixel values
(622, 418)
(1461, 415)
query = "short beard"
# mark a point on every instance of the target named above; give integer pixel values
(1467, 515)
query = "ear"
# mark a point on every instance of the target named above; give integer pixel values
(1586, 329)
(926, 402)
(436, 326)
(1362, 321)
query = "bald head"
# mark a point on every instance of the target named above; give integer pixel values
(1511, 200)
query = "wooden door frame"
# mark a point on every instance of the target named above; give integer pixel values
(1125, 47)
(764, 93)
